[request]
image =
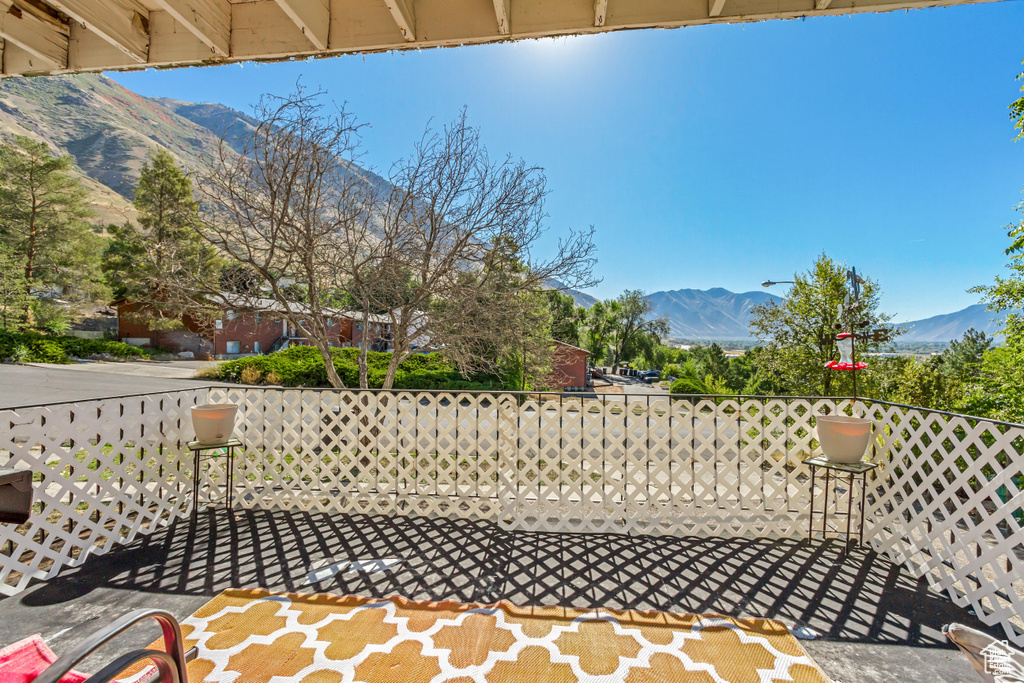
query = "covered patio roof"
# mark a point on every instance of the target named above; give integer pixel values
(75, 36)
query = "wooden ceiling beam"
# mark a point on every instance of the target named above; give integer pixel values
(45, 41)
(405, 16)
(503, 11)
(313, 17)
(123, 26)
(42, 39)
(207, 20)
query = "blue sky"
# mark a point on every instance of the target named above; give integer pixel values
(724, 155)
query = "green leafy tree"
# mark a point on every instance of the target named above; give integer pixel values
(1017, 111)
(925, 384)
(164, 246)
(996, 392)
(567, 319)
(633, 332)
(711, 360)
(799, 333)
(690, 380)
(962, 360)
(43, 212)
(600, 329)
(1001, 391)
(13, 290)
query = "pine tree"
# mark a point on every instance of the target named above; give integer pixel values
(13, 290)
(43, 212)
(163, 245)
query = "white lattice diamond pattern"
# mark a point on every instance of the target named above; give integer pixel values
(949, 504)
(947, 500)
(105, 471)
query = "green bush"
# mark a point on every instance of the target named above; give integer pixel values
(35, 347)
(688, 385)
(302, 366)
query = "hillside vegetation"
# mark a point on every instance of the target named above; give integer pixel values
(35, 347)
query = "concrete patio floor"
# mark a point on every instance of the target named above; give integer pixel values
(875, 622)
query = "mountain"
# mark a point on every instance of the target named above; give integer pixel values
(943, 328)
(108, 129)
(713, 313)
(581, 298)
(216, 118)
(723, 315)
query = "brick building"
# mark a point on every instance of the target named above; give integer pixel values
(568, 367)
(246, 333)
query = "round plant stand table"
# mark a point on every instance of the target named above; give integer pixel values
(212, 450)
(851, 471)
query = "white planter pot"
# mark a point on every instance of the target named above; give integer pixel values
(842, 438)
(214, 423)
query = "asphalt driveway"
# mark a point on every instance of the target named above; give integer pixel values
(30, 385)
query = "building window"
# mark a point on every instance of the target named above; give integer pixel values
(218, 324)
(230, 315)
(359, 326)
(257, 317)
(233, 347)
(257, 347)
(330, 322)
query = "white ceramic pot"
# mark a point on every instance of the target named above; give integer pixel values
(842, 438)
(214, 423)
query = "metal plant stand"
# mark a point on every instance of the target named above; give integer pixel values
(200, 451)
(854, 471)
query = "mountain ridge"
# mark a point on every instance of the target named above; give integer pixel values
(948, 326)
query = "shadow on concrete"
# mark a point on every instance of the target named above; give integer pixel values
(859, 597)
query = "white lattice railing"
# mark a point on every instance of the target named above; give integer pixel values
(946, 500)
(105, 471)
(949, 504)
(641, 464)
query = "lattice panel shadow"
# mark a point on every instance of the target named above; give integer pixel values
(949, 505)
(104, 471)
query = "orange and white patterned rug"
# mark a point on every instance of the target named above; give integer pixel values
(253, 636)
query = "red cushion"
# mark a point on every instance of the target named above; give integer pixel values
(26, 659)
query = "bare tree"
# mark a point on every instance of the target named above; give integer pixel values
(461, 231)
(443, 251)
(289, 209)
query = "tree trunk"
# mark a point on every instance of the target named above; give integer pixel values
(364, 349)
(399, 352)
(30, 255)
(389, 377)
(364, 370)
(332, 372)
